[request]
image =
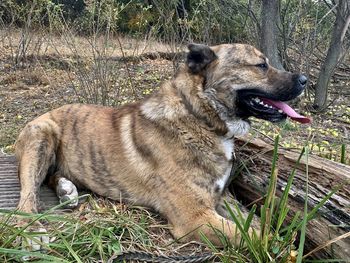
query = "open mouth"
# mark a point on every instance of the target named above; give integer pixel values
(268, 109)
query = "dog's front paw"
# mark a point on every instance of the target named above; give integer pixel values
(66, 191)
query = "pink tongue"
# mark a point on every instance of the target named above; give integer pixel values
(287, 110)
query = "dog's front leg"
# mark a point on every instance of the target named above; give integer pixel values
(210, 224)
(229, 200)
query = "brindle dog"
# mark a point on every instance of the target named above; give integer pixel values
(171, 151)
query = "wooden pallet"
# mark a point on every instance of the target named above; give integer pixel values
(10, 187)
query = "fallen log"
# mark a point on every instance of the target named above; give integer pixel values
(333, 219)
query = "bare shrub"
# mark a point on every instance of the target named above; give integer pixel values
(27, 19)
(99, 78)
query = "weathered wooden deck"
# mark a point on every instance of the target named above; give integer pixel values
(10, 187)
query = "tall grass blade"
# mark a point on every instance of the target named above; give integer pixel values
(305, 216)
(313, 212)
(69, 247)
(245, 236)
(269, 204)
(250, 217)
(342, 154)
(282, 208)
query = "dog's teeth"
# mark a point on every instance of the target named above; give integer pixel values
(261, 103)
(280, 111)
(257, 100)
(270, 106)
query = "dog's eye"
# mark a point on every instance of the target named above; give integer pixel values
(262, 65)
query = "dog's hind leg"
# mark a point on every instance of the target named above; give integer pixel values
(35, 152)
(65, 189)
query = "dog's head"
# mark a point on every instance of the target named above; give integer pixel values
(241, 82)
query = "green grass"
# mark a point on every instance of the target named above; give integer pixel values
(91, 235)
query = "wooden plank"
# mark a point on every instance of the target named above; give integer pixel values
(10, 187)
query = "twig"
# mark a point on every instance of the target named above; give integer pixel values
(327, 244)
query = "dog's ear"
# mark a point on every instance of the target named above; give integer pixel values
(199, 57)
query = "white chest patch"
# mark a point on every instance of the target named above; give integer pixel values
(227, 144)
(222, 181)
(228, 148)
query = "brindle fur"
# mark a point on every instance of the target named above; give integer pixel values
(171, 151)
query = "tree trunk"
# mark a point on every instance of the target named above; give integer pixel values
(334, 53)
(269, 31)
(333, 219)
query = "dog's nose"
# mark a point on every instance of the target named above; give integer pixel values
(302, 80)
